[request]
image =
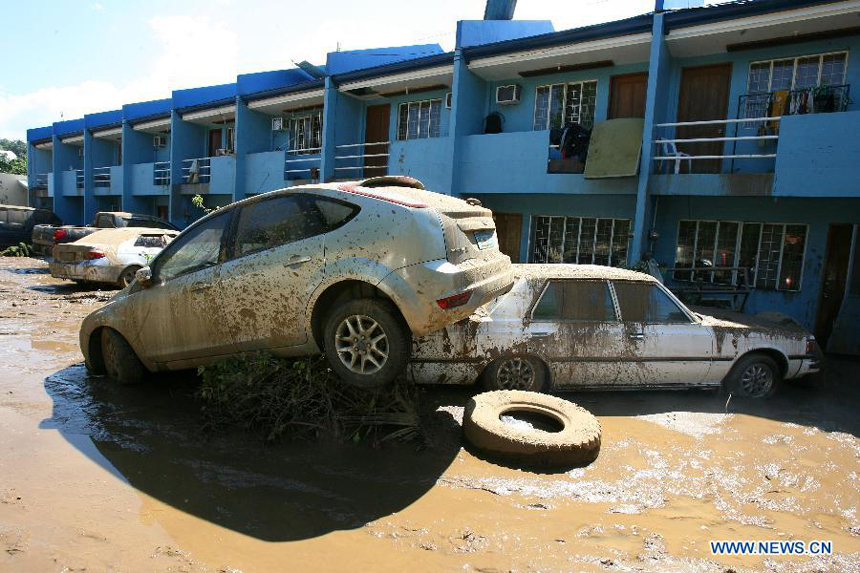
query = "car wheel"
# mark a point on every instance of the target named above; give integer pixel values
(755, 376)
(366, 342)
(531, 429)
(121, 362)
(516, 373)
(127, 276)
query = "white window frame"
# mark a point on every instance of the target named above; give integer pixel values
(532, 221)
(794, 68)
(307, 145)
(421, 129)
(753, 272)
(581, 83)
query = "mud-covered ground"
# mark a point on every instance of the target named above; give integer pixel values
(95, 477)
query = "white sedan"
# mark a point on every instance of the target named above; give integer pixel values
(109, 255)
(572, 327)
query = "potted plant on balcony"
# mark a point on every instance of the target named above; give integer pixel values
(824, 98)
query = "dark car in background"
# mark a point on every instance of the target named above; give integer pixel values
(17, 223)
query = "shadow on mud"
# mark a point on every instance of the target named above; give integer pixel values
(827, 401)
(66, 288)
(150, 436)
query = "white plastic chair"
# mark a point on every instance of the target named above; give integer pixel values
(668, 149)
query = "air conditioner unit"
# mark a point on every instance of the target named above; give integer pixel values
(448, 98)
(508, 95)
(159, 141)
(277, 124)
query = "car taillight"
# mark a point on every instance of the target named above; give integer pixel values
(59, 234)
(455, 300)
(810, 345)
(91, 255)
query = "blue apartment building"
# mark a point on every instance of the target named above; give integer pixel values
(748, 139)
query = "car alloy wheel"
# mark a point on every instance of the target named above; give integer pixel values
(515, 374)
(362, 344)
(757, 380)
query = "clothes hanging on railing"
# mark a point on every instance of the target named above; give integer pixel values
(778, 107)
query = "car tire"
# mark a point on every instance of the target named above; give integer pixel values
(126, 277)
(515, 373)
(754, 376)
(120, 361)
(574, 441)
(366, 342)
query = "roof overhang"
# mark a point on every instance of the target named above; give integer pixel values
(44, 145)
(73, 140)
(714, 37)
(112, 133)
(627, 49)
(154, 126)
(400, 82)
(219, 114)
(289, 101)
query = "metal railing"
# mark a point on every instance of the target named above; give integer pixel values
(667, 150)
(79, 178)
(361, 154)
(161, 173)
(196, 170)
(708, 284)
(298, 164)
(101, 176)
(40, 180)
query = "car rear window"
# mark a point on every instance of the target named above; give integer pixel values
(152, 241)
(588, 301)
(643, 302)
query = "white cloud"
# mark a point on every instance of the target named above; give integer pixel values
(191, 51)
(97, 7)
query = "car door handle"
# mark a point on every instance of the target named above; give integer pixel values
(636, 336)
(539, 334)
(200, 288)
(297, 260)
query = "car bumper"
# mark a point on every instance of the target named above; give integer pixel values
(417, 288)
(97, 271)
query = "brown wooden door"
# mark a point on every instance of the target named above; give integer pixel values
(509, 228)
(834, 276)
(214, 142)
(627, 95)
(704, 95)
(376, 129)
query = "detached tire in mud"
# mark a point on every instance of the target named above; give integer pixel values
(121, 362)
(366, 342)
(754, 376)
(571, 437)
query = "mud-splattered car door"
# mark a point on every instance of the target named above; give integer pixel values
(179, 316)
(275, 263)
(575, 328)
(663, 344)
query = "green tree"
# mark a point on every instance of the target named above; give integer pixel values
(17, 166)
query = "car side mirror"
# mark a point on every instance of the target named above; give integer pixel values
(144, 277)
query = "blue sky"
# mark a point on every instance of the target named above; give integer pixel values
(94, 55)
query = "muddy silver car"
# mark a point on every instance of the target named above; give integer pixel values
(590, 327)
(351, 268)
(111, 256)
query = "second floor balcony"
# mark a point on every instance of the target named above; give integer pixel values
(212, 175)
(107, 180)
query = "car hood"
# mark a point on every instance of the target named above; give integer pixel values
(765, 322)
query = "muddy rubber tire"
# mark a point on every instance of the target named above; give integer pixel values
(577, 442)
(525, 373)
(369, 317)
(126, 277)
(121, 362)
(754, 376)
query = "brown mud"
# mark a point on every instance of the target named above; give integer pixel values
(98, 477)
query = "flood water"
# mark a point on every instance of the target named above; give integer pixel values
(100, 477)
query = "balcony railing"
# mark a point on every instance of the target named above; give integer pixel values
(298, 167)
(196, 170)
(668, 153)
(79, 178)
(40, 180)
(161, 173)
(821, 99)
(101, 176)
(375, 159)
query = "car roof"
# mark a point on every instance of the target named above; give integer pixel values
(583, 272)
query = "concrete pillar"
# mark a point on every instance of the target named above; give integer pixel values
(90, 206)
(68, 208)
(468, 108)
(327, 171)
(136, 148)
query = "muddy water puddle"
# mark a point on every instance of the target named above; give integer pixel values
(102, 477)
